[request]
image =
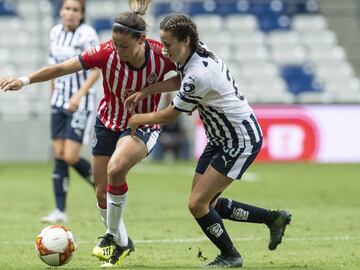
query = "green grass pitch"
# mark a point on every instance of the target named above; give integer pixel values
(324, 201)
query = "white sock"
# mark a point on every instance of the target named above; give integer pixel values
(122, 235)
(115, 211)
(103, 213)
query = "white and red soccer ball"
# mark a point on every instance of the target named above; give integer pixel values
(55, 245)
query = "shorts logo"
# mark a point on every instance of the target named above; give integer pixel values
(95, 140)
(215, 230)
(152, 77)
(240, 214)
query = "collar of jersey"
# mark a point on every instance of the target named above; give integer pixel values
(147, 54)
(181, 69)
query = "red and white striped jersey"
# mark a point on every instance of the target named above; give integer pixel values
(120, 80)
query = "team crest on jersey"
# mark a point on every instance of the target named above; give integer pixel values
(152, 77)
(189, 85)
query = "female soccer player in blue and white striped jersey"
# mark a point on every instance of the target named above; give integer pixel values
(73, 102)
(234, 136)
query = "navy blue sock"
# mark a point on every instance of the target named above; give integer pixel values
(83, 167)
(60, 182)
(213, 227)
(237, 211)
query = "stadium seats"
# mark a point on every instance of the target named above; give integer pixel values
(268, 45)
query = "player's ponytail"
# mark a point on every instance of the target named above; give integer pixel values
(132, 22)
(139, 7)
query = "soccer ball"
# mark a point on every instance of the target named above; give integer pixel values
(55, 245)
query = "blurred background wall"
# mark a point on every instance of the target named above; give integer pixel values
(296, 61)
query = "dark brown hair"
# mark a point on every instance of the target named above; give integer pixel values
(83, 8)
(181, 26)
(132, 20)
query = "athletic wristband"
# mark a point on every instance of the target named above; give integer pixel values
(25, 80)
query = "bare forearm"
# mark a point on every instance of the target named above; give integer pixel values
(55, 71)
(162, 117)
(169, 85)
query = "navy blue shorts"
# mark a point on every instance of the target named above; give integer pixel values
(232, 167)
(73, 126)
(105, 139)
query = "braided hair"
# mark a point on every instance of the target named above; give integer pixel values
(181, 26)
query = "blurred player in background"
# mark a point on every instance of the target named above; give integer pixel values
(234, 137)
(129, 62)
(73, 102)
(173, 139)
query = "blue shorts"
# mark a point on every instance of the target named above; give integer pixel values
(105, 139)
(72, 126)
(232, 167)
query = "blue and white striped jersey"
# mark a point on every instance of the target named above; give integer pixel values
(65, 45)
(207, 85)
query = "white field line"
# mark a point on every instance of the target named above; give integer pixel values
(167, 169)
(195, 240)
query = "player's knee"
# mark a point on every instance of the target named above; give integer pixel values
(71, 160)
(196, 207)
(59, 155)
(117, 172)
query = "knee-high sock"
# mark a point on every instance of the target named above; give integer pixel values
(83, 167)
(237, 211)
(213, 227)
(60, 183)
(122, 234)
(115, 211)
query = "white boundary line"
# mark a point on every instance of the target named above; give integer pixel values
(196, 240)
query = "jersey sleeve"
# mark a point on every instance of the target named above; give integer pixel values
(92, 57)
(193, 89)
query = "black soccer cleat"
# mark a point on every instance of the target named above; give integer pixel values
(277, 228)
(228, 262)
(105, 247)
(119, 254)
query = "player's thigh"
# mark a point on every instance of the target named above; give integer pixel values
(58, 148)
(208, 186)
(72, 151)
(129, 151)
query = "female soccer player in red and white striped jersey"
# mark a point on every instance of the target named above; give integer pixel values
(129, 62)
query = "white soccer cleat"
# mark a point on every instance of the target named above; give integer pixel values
(55, 216)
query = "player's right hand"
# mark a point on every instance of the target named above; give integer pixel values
(133, 100)
(9, 83)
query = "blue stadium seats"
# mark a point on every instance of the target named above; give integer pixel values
(300, 79)
(7, 8)
(272, 22)
(102, 24)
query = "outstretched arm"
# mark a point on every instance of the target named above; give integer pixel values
(169, 85)
(164, 116)
(42, 75)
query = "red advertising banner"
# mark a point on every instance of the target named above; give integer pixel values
(319, 133)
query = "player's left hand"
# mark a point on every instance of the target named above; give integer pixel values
(9, 83)
(74, 103)
(133, 125)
